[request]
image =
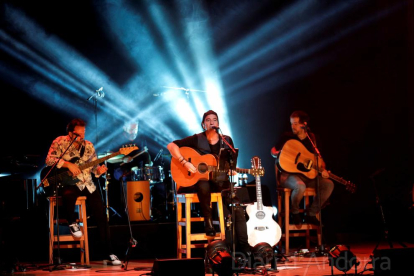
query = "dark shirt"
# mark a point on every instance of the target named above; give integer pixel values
(192, 142)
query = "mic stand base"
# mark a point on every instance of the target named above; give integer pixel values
(132, 244)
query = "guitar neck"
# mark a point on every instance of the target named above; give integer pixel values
(238, 170)
(259, 193)
(349, 186)
(97, 161)
(246, 171)
(337, 179)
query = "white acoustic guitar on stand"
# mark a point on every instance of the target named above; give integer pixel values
(261, 227)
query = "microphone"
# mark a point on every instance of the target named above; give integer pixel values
(305, 126)
(215, 127)
(75, 134)
(100, 92)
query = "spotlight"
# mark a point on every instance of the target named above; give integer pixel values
(220, 258)
(342, 258)
(263, 254)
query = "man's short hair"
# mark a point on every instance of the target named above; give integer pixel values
(75, 122)
(303, 117)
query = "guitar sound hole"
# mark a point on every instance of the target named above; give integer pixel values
(202, 168)
(260, 215)
(301, 167)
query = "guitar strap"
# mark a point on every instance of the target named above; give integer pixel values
(82, 151)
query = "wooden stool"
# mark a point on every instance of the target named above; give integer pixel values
(82, 241)
(292, 230)
(187, 200)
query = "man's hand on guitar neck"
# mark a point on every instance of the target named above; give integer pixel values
(325, 174)
(101, 170)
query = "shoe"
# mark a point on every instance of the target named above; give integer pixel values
(297, 219)
(209, 228)
(75, 230)
(312, 220)
(113, 260)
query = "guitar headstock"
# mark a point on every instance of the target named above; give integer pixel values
(257, 168)
(127, 150)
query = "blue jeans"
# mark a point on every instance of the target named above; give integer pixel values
(298, 185)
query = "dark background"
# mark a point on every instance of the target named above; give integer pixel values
(359, 98)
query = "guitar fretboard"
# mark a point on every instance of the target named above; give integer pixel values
(259, 193)
(97, 161)
(239, 170)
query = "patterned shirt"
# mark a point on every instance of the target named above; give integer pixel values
(60, 144)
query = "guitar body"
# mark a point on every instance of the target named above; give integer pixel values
(295, 158)
(60, 176)
(261, 227)
(64, 177)
(180, 174)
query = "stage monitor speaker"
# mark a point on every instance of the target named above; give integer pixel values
(138, 200)
(393, 261)
(182, 267)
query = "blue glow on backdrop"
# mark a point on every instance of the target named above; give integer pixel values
(164, 63)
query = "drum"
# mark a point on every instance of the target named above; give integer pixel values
(138, 200)
(138, 174)
(155, 174)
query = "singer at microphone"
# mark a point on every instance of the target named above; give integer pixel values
(185, 165)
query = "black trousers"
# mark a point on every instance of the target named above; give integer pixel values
(95, 208)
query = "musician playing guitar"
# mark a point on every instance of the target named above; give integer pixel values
(297, 179)
(78, 152)
(207, 143)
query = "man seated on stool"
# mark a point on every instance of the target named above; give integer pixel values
(298, 182)
(84, 151)
(210, 142)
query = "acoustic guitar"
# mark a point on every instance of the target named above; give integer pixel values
(64, 177)
(295, 158)
(204, 164)
(261, 227)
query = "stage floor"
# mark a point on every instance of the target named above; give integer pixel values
(293, 265)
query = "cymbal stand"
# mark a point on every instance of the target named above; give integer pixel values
(132, 242)
(107, 207)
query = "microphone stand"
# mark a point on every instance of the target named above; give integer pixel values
(98, 93)
(56, 192)
(317, 154)
(232, 220)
